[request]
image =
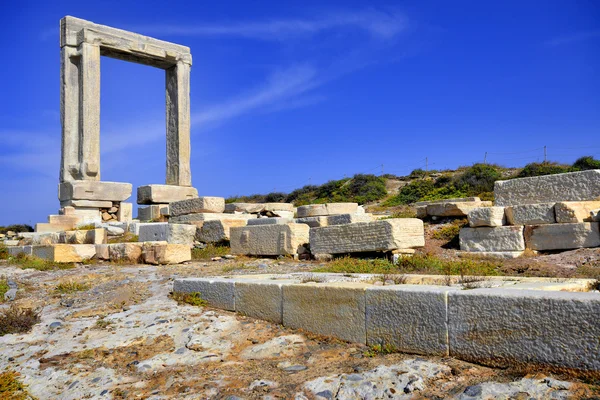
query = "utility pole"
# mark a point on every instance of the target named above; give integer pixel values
(485, 158)
(381, 169)
(545, 154)
(426, 165)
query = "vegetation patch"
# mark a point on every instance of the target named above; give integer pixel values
(543, 168)
(210, 251)
(11, 387)
(192, 298)
(16, 228)
(128, 237)
(86, 227)
(3, 287)
(586, 162)
(450, 233)
(70, 287)
(3, 252)
(30, 262)
(17, 320)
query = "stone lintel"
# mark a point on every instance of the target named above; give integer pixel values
(94, 190)
(164, 194)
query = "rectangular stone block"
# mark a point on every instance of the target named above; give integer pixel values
(501, 238)
(573, 186)
(102, 252)
(316, 210)
(218, 292)
(260, 299)
(44, 238)
(164, 194)
(65, 252)
(125, 252)
(333, 309)
(269, 240)
(92, 236)
(342, 219)
(203, 204)
(530, 214)
(14, 251)
(86, 203)
(165, 253)
(125, 213)
(170, 233)
(411, 318)
(313, 222)
(515, 327)
(269, 221)
(200, 218)
(94, 190)
(218, 231)
(386, 235)
(486, 216)
(562, 236)
(577, 211)
(455, 209)
(153, 212)
(72, 220)
(44, 227)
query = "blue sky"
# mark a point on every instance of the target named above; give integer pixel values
(289, 93)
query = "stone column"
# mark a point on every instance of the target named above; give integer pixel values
(69, 113)
(178, 125)
(89, 112)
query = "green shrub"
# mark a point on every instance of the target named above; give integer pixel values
(3, 251)
(417, 173)
(192, 298)
(478, 178)
(16, 228)
(585, 163)
(366, 188)
(210, 251)
(412, 192)
(275, 197)
(3, 288)
(444, 192)
(543, 168)
(450, 231)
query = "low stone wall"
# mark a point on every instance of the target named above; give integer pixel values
(528, 322)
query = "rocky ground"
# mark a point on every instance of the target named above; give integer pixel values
(122, 336)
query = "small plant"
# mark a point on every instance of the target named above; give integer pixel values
(192, 298)
(17, 320)
(3, 251)
(209, 252)
(358, 266)
(101, 323)
(30, 262)
(85, 227)
(70, 287)
(128, 237)
(378, 349)
(3, 288)
(450, 232)
(11, 388)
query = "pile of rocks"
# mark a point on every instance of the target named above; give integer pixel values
(10, 238)
(459, 207)
(553, 212)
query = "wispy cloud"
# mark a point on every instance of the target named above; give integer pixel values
(573, 38)
(379, 24)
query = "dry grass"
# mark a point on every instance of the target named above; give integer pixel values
(450, 231)
(3, 251)
(192, 298)
(128, 237)
(30, 262)
(11, 388)
(85, 227)
(17, 320)
(70, 287)
(209, 252)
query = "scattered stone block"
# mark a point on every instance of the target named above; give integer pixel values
(11, 242)
(170, 233)
(269, 221)
(199, 218)
(92, 236)
(333, 309)
(501, 238)
(260, 299)
(94, 190)
(164, 194)
(269, 240)
(218, 292)
(486, 216)
(386, 235)
(421, 212)
(530, 214)
(342, 219)
(72, 220)
(577, 211)
(86, 204)
(65, 252)
(125, 212)
(562, 236)
(44, 227)
(313, 222)
(153, 212)
(572, 186)
(14, 251)
(395, 316)
(165, 253)
(514, 327)
(42, 238)
(203, 204)
(217, 231)
(256, 208)
(127, 252)
(455, 209)
(316, 210)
